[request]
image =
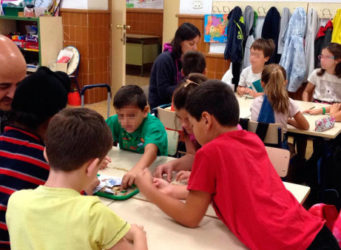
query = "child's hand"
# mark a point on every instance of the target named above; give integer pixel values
(164, 169)
(162, 185)
(144, 179)
(104, 163)
(335, 108)
(137, 230)
(313, 111)
(91, 186)
(129, 178)
(183, 175)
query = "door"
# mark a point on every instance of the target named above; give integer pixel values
(118, 41)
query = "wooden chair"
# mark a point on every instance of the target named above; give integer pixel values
(279, 158)
(269, 133)
(172, 125)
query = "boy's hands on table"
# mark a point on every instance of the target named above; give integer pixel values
(182, 175)
(164, 169)
(144, 180)
(104, 163)
(129, 178)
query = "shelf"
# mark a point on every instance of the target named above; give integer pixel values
(19, 18)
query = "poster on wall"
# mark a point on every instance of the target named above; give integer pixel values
(148, 4)
(215, 28)
(195, 6)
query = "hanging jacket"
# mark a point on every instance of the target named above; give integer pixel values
(336, 36)
(271, 31)
(283, 29)
(235, 36)
(249, 30)
(293, 59)
(323, 38)
(310, 34)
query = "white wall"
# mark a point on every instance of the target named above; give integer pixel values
(85, 4)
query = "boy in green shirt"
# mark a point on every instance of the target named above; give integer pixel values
(135, 129)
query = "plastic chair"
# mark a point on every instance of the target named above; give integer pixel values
(279, 158)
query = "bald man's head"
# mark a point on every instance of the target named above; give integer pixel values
(12, 70)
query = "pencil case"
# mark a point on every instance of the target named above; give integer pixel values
(324, 124)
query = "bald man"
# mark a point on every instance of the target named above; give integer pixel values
(12, 71)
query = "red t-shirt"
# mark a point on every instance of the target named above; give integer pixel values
(249, 196)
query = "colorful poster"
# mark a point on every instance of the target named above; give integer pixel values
(215, 28)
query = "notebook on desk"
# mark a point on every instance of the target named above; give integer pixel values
(257, 86)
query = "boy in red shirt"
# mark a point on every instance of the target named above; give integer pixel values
(232, 170)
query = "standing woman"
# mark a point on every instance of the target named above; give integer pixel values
(166, 70)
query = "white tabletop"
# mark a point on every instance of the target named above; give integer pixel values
(246, 102)
(162, 231)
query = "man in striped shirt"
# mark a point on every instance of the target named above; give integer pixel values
(22, 164)
(12, 70)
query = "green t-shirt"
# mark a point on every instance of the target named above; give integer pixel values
(151, 130)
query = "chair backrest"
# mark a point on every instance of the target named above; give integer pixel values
(172, 125)
(270, 133)
(168, 118)
(279, 158)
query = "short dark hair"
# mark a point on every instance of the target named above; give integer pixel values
(185, 31)
(193, 62)
(130, 95)
(39, 96)
(75, 136)
(266, 45)
(185, 88)
(216, 98)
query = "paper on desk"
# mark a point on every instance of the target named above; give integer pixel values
(108, 181)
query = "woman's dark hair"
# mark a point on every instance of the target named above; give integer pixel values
(186, 31)
(216, 98)
(334, 49)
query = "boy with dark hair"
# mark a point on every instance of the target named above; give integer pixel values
(22, 165)
(56, 215)
(260, 52)
(245, 189)
(193, 62)
(134, 129)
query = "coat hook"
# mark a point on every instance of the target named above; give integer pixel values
(326, 13)
(260, 9)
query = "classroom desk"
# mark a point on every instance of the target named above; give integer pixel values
(123, 161)
(141, 49)
(245, 104)
(162, 231)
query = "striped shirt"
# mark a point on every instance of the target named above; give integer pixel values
(22, 166)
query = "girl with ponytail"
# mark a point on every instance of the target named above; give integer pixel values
(275, 106)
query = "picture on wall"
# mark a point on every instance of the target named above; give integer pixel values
(215, 28)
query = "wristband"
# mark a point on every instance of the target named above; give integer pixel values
(323, 110)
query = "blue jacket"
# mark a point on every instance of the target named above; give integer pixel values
(164, 77)
(235, 36)
(293, 59)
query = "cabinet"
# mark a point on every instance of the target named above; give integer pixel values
(50, 36)
(141, 49)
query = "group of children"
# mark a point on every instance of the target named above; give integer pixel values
(229, 166)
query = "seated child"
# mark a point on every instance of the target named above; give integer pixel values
(55, 215)
(37, 98)
(260, 52)
(276, 106)
(134, 129)
(233, 171)
(324, 83)
(193, 62)
(184, 164)
(193, 68)
(334, 111)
